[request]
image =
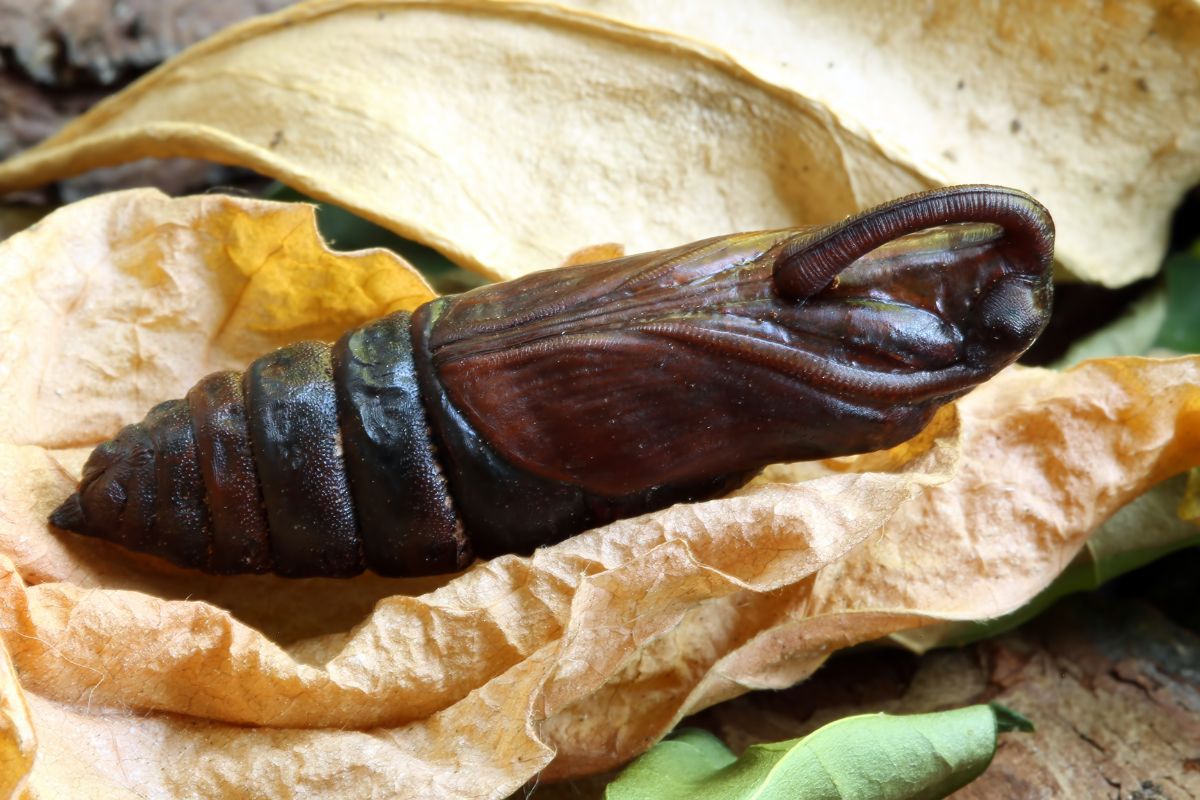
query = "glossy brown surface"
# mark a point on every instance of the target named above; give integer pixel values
(507, 509)
(292, 414)
(239, 524)
(525, 412)
(117, 492)
(181, 522)
(406, 517)
(736, 352)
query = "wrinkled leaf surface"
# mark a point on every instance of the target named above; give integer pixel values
(139, 677)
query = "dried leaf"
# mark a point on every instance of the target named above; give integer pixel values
(511, 135)
(345, 231)
(1152, 526)
(500, 134)
(1095, 113)
(142, 678)
(17, 741)
(130, 296)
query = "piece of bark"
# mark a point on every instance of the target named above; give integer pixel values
(106, 42)
(58, 59)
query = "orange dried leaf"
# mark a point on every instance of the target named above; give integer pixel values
(126, 299)
(140, 677)
(17, 741)
(592, 253)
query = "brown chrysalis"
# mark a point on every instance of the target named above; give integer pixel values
(521, 413)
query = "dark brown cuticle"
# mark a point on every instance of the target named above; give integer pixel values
(521, 413)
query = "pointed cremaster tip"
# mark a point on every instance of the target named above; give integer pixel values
(69, 516)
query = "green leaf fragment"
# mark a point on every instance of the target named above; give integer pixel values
(868, 757)
(1181, 328)
(684, 760)
(1008, 720)
(1133, 333)
(1189, 504)
(16, 218)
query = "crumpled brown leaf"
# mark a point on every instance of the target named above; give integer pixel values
(508, 135)
(144, 679)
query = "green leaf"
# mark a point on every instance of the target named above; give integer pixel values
(1008, 720)
(868, 757)
(16, 218)
(1165, 318)
(1189, 506)
(1181, 328)
(1131, 334)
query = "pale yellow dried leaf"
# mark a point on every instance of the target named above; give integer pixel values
(1093, 109)
(145, 680)
(510, 135)
(507, 136)
(1149, 524)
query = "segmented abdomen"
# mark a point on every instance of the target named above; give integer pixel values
(315, 461)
